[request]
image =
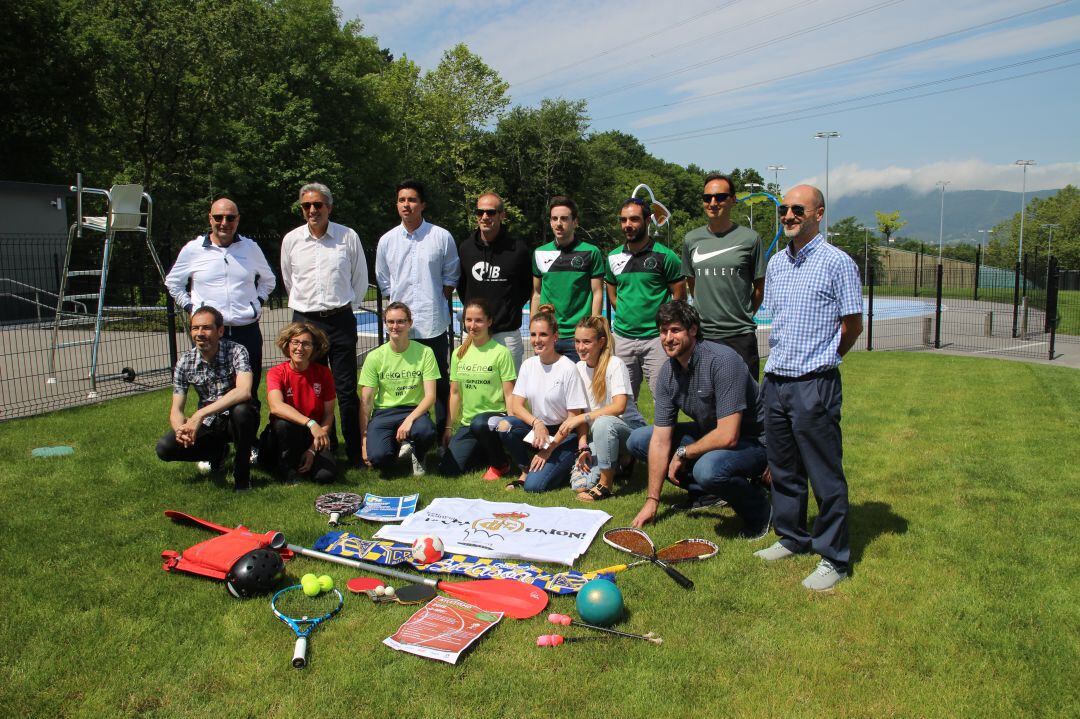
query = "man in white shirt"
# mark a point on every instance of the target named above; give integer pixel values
(325, 271)
(227, 271)
(417, 263)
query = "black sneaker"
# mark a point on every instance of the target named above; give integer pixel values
(756, 532)
(699, 502)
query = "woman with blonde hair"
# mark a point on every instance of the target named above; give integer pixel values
(611, 415)
(301, 396)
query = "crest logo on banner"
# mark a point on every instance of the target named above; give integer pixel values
(498, 522)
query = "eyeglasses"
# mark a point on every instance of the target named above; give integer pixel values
(305, 206)
(223, 218)
(797, 210)
(485, 212)
(303, 344)
(718, 197)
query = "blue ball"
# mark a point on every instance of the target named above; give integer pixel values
(600, 602)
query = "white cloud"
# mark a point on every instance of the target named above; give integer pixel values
(851, 179)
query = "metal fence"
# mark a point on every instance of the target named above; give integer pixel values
(962, 306)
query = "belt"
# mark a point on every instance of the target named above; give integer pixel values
(330, 312)
(802, 377)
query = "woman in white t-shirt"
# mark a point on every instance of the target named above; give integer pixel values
(612, 413)
(548, 390)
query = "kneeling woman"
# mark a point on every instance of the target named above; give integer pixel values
(482, 378)
(549, 384)
(397, 390)
(612, 413)
(301, 397)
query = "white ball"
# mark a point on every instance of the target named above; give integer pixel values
(427, 549)
(389, 591)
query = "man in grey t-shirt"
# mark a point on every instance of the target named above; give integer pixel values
(725, 269)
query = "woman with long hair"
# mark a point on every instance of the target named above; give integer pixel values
(301, 396)
(548, 390)
(612, 413)
(397, 390)
(482, 378)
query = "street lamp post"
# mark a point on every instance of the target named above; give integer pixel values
(776, 170)
(865, 251)
(1023, 209)
(752, 185)
(827, 136)
(1049, 244)
(941, 220)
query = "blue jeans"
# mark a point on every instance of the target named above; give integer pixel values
(555, 471)
(473, 446)
(566, 348)
(725, 473)
(382, 446)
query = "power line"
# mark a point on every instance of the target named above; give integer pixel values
(753, 123)
(727, 56)
(629, 44)
(759, 83)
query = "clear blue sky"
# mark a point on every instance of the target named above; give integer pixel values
(731, 83)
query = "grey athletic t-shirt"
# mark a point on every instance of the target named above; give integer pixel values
(724, 267)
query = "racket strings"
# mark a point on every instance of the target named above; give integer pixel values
(687, 549)
(298, 606)
(631, 540)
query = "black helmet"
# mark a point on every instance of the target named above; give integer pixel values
(254, 573)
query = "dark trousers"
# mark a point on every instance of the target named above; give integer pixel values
(382, 445)
(555, 472)
(250, 336)
(746, 346)
(340, 328)
(440, 345)
(239, 426)
(473, 446)
(803, 441)
(565, 346)
(292, 440)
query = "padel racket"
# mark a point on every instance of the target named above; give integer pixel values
(515, 599)
(303, 613)
(636, 542)
(338, 505)
(685, 550)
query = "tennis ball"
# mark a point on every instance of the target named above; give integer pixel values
(310, 583)
(308, 578)
(600, 602)
(326, 582)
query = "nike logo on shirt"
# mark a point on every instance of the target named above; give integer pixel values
(702, 256)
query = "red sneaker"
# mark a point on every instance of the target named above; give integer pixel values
(494, 473)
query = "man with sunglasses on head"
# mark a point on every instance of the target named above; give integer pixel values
(497, 267)
(417, 264)
(724, 264)
(641, 275)
(228, 271)
(325, 271)
(813, 292)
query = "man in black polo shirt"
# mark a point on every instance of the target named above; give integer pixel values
(714, 456)
(497, 268)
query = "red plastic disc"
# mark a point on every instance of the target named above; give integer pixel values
(364, 584)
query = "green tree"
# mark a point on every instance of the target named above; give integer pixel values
(855, 239)
(888, 224)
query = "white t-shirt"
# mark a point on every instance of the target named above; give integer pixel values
(550, 389)
(617, 379)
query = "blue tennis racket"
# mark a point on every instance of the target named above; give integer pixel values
(303, 613)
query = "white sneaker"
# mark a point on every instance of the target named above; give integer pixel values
(406, 450)
(417, 465)
(775, 552)
(825, 577)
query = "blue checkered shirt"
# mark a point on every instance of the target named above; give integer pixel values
(214, 379)
(807, 295)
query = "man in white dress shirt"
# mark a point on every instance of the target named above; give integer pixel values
(325, 271)
(417, 263)
(227, 271)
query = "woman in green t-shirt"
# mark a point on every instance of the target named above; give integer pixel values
(397, 390)
(482, 378)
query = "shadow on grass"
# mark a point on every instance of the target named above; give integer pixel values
(870, 520)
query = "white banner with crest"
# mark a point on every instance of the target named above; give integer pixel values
(503, 530)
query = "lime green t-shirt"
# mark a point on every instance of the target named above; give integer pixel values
(480, 375)
(398, 378)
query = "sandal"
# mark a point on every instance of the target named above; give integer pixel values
(514, 484)
(594, 494)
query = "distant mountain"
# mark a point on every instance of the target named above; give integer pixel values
(966, 211)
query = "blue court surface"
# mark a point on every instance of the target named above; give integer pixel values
(884, 309)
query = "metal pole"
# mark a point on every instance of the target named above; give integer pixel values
(776, 181)
(870, 313)
(937, 311)
(827, 136)
(1016, 297)
(1023, 206)
(1049, 250)
(941, 220)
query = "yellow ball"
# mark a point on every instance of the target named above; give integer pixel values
(326, 582)
(310, 583)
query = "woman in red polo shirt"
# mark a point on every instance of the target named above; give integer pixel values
(301, 396)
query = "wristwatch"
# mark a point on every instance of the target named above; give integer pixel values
(681, 452)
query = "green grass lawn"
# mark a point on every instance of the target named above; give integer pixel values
(963, 601)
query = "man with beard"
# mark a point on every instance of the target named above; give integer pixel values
(641, 275)
(220, 372)
(814, 295)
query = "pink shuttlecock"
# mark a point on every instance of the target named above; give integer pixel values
(549, 640)
(560, 619)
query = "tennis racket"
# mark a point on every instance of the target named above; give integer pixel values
(685, 550)
(636, 542)
(303, 613)
(338, 505)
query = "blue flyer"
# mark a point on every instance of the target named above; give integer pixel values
(387, 509)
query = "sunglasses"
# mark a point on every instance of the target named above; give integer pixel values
(305, 206)
(797, 210)
(223, 218)
(485, 212)
(709, 197)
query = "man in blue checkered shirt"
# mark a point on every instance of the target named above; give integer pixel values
(813, 292)
(220, 372)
